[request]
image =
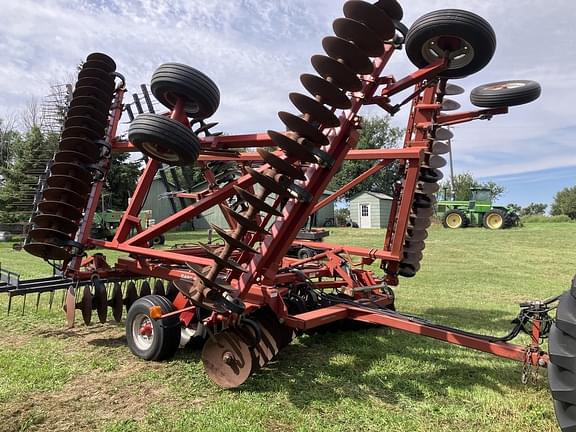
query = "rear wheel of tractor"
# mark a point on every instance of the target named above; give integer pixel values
(148, 338)
(467, 39)
(505, 94)
(164, 139)
(455, 219)
(562, 364)
(173, 81)
(494, 219)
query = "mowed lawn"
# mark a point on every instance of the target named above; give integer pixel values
(373, 380)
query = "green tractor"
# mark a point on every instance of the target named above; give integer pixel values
(478, 211)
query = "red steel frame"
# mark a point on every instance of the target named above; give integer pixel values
(260, 284)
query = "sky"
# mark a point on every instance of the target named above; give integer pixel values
(255, 50)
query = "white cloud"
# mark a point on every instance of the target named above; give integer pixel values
(255, 50)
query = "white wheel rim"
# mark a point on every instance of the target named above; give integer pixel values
(142, 332)
(433, 52)
(506, 86)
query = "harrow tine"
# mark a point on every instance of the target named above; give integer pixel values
(23, 304)
(37, 301)
(51, 300)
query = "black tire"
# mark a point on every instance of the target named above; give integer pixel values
(511, 220)
(562, 364)
(494, 219)
(305, 253)
(453, 214)
(164, 139)
(328, 223)
(165, 338)
(158, 240)
(175, 80)
(505, 93)
(431, 35)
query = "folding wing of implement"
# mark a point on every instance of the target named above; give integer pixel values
(241, 297)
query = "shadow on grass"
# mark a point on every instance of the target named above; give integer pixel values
(368, 365)
(494, 320)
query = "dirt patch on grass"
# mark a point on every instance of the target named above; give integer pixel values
(95, 396)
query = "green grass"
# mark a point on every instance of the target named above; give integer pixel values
(372, 380)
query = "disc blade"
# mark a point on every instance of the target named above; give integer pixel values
(328, 93)
(337, 73)
(159, 288)
(236, 244)
(116, 302)
(303, 128)
(86, 305)
(68, 183)
(440, 147)
(100, 301)
(453, 90)
(450, 105)
(257, 203)
(291, 147)
(443, 134)
(348, 53)
(281, 165)
(145, 289)
(131, 295)
(317, 111)
(227, 359)
(362, 36)
(223, 262)
(269, 183)
(372, 17)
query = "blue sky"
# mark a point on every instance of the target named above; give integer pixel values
(255, 51)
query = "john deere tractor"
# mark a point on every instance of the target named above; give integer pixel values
(478, 211)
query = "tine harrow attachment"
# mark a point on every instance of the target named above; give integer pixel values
(244, 297)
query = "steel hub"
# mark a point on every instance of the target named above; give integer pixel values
(457, 50)
(143, 332)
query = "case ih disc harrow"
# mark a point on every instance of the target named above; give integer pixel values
(243, 298)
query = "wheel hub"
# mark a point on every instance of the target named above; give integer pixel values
(459, 52)
(143, 332)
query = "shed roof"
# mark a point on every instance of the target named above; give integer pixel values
(378, 195)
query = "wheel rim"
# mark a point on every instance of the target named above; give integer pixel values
(494, 221)
(454, 220)
(506, 86)
(142, 332)
(437, 48)
(159, 151)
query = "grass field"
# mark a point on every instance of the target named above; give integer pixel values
(374, 380)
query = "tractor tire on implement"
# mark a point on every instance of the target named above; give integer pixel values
(172, 81)
(466, 38)
(164, 139)
(494, 219)
(505, 94)
(562, 364)
(455, 219)
(148, 338)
